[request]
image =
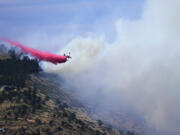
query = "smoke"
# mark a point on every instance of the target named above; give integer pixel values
(139, 70)
(3, 48)
(85, 52)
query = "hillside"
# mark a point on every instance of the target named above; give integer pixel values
(32, 102)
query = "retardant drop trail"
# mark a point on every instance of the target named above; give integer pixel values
(45, 56)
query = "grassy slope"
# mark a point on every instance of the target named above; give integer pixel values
(44, 107)
(49, 115)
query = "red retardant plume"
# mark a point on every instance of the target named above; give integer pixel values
(46, 56)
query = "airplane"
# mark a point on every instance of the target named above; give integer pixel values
(68, 56)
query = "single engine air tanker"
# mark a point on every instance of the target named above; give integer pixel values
(45, 56)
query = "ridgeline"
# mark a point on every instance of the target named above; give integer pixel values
(33, 103)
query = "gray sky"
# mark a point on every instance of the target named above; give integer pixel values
(46, 21)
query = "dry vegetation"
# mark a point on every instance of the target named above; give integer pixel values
(42, 107)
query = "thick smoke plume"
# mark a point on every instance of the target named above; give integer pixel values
(45, 56)
(86, 51)
(139, 71)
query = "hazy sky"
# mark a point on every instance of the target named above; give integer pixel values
(62, 19)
